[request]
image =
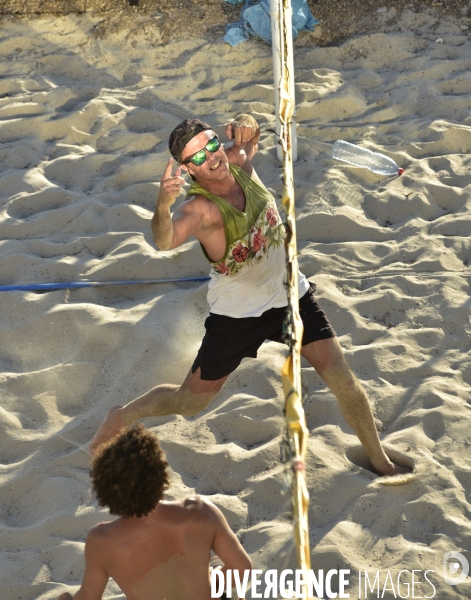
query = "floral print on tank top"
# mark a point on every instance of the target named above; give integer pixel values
(267, 232)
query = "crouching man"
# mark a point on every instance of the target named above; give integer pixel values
(156, 549)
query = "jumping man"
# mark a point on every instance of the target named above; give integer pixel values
(235, 219)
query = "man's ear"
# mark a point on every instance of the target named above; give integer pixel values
(187, 170)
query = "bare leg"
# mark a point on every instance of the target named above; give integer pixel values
(327, 358)
(193, 396)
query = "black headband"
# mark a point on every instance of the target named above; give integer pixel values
(183, 133)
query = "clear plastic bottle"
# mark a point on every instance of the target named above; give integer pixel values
(361, 157)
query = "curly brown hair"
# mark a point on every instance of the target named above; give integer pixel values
(129, 473)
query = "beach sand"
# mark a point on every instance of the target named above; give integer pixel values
(84, 122)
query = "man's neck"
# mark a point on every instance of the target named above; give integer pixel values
(218, 188)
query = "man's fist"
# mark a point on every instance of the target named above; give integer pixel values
(244, 128)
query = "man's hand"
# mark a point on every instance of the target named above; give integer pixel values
(65, 596)
(243, 129)
(170, 186)
(170, 189)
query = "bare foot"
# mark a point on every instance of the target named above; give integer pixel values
(110, 427)
(401, 469)
(391, 468)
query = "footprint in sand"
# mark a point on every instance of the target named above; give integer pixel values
(357, 456)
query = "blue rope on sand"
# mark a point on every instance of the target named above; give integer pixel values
(72, 285)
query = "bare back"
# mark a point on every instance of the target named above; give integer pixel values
(163, 555)
(166, 554)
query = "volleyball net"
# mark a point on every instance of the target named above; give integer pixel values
(296, 435)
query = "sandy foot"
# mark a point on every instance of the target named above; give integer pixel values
(394, 470)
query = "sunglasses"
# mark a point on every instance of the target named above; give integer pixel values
(200, 157)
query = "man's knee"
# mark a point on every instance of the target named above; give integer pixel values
(333, 365)
(195, 394)
(324, 355)
(192, 404)
(335, 371)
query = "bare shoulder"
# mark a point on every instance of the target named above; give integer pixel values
(194, 202)
(197, 508)
(204, 507)
(190, 504)
(99, 540)
(102, 531)
(195, 503)
(196, 205)
(194, 509)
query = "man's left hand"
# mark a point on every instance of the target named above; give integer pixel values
(243, 129)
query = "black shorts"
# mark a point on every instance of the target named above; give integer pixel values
(228, 340)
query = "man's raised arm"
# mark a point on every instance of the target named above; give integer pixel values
(245, 132)
(162, 226)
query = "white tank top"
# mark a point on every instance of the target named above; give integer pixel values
(250, 279)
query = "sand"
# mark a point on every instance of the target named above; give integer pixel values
(83, 130)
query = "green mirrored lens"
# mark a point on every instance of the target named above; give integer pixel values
(199, 158)
(213, 145)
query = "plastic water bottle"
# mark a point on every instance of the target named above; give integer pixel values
(361, 157)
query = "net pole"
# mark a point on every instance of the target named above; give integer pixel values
(275, 6)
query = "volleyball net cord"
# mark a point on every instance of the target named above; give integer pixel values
(294, 445)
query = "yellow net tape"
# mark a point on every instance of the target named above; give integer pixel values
(297, 432)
